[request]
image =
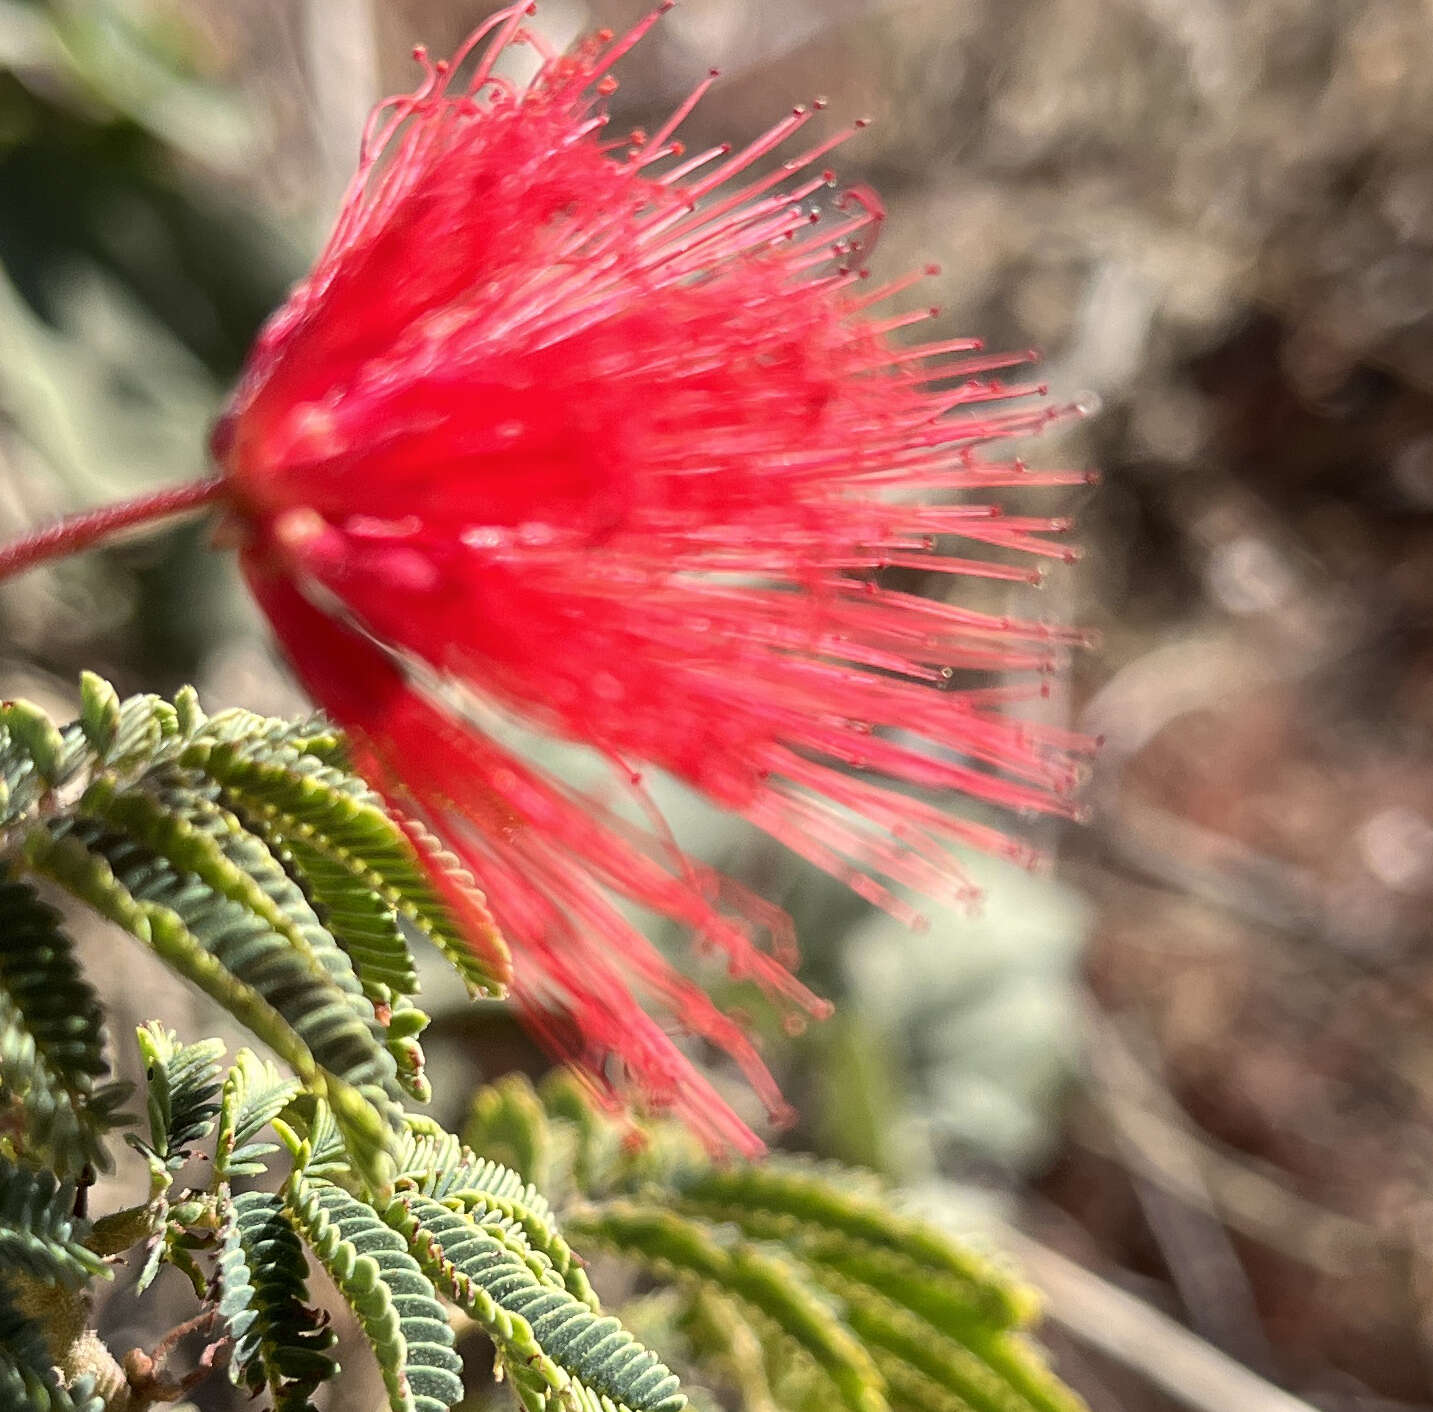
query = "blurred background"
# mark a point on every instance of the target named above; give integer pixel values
(1194, 1063)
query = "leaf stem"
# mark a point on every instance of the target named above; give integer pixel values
(76, 533)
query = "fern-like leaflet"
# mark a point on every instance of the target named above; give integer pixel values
(280, 1342)
(816, 1261)
(552, 1343)
(40, 1236)
(52, 1060)
(191, 833)
(395, 1303)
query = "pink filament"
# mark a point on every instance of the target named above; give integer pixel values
(623, 452)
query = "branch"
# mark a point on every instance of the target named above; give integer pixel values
(1103, 1317)
(1106, 1318)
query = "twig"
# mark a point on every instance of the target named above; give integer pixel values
(1112, 1322)
(146, 1372)
(1198, 1252)
(1248, 1200)
(1149, 1343)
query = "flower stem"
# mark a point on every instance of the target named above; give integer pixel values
(91, 527)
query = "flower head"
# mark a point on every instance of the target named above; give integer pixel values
(613, 438)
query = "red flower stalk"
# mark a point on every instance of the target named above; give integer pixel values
(609, 437)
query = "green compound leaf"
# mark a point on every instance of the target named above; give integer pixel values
(364, 920)
(241, 962)
(175, 814)
(311, 1134)
(182, 1083)
(99, 712)
(314, 808)
(38, 738)
(393, 1299)
(552, 1344)
(760, 1276)
(405, 1023)
(987, 1371)
(243, 851)
(51, 1041)
(255, 1093)
(148, 728)
(836, 1220)
(924, 1315)
(435, 1164)
(586, 1145)
(607, 1156)
(280, 1342)
(40, 1236)
(750, 1356)
(912, 1294)
(308, 735)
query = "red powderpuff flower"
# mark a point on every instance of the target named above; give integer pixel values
(609, 437)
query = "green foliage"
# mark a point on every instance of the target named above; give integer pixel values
(280, 1342)
(331, 821)
(255, 1093)
(435, 1164)
(827, 1216)
(815, 1267)
(799, 1284)
(197, 836)
(507, 1123)
(182, 1083)
(51, 1039)
(40, 1236)
(241, 851)
(761, 1277)
(551, 1343)
(396, 1305)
